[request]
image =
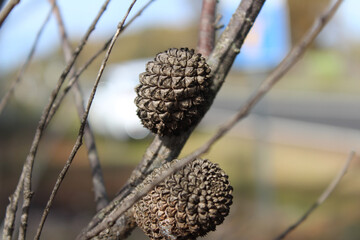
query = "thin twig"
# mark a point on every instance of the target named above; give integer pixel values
(7, 9)
(206, 35)
(325, 195)
(59, 181)
(80, 71)
(20, 74)
(230, 41)
(14, 199)
(11, 211)
(84, 67)
(83, 124)
(101, 197)
(273, 78)
(28, 165)
(75, 77)
(71, 82)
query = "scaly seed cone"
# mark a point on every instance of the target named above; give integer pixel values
(173, 91)
(187, 204)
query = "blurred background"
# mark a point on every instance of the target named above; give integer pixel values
(279, 159)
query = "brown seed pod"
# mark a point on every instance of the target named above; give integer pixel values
(188, 204)
(173, 91)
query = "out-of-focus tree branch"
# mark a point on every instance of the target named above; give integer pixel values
(84, 117)
(14, 198)
(206, 36)
(4, 13)
(101, 197)
(25, 178)
(28, 166)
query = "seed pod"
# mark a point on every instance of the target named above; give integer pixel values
(173, 91)
(188, 204)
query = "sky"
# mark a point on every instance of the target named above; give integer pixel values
(19, 30)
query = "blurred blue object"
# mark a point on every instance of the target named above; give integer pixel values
(268, 40)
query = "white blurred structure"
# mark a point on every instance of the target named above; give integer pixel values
(114, 111)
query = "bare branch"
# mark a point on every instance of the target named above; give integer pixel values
(229, 43)
(12, 207)
(327, 192)
(59, 181)
(71, 82)
(207, 28)
(75, 77)
(83, 124)
(101, 197)
(141, 10)
(84, 67)
(11, 211)
(28, 165)
(7, 9)
(21, 72)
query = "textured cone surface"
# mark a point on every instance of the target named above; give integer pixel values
(173, 91)
(187, 204)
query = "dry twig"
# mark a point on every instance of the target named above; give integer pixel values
(76, 75)
(101, 197)
(83, 124)
(28, 166)
(12, 207)
(327, 192)
(11, 213)
(26, 174)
